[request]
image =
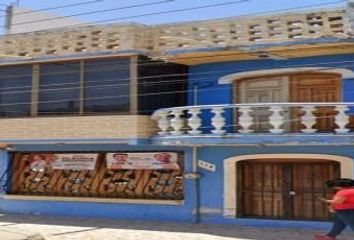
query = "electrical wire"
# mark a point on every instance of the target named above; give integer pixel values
(116, 66)
(54, 8)
(121, 96)
(189, 75)
(190, 9)
(251, 52)
(148, 84)
(92, 12)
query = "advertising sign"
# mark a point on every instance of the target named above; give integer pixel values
(142, 160)
(77, 161)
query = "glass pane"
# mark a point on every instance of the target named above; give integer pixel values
(107, 85)
(59, 88)
(15, 90)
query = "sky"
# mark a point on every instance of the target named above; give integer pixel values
(229, 9)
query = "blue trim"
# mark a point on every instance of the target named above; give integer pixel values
(130, 141)
(5, 171)
(256, 139)
(255, 46)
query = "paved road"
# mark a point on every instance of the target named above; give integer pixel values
(21, 227)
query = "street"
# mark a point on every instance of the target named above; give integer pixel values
(29, 227)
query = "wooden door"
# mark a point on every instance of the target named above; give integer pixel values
(316, 87)
(283, 190)
(263, 90)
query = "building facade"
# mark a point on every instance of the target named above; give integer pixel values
(227, 121)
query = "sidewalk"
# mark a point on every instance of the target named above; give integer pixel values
(20, 227)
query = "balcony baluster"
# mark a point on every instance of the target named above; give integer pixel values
(245, 120)
(308, 119)
(218, 121)
(276, 119)
(177, 122)
(163, 123)
(194, 122)
(341, 119)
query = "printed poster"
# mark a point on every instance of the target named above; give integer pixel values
(77, 161)
(145, 160)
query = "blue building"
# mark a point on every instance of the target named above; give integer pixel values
(239, 121)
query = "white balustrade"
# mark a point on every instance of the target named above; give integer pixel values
(218, 121)
(172, 121)
(308, 119)
(341, 119)
(194, 121)
(163, 122)
(245, 120)
(276, 119)
(177, 122)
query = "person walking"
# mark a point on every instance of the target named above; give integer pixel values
(342, 206)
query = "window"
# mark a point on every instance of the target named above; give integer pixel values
(59, 88)
(15, 90)
(107, 85)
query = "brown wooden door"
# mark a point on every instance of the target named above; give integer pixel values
(316, 87)
(262, 90)
(283, 190)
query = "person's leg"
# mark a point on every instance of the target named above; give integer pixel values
(347, 216)
(337, 227)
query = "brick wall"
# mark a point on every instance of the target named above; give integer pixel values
(117, 126)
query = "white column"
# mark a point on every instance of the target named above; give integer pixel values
(276, 119)
(245, 120)
(177, 122)
(218, 121)
(308, 119)
(341, 119)
(163, 123)
(194, 122)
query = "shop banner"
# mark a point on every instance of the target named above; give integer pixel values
(77, 161)
(146, 160)
(74, 161)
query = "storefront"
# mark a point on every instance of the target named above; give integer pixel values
(134, 183)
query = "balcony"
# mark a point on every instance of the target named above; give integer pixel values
(255, 120)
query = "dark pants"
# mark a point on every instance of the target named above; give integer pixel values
(342, 219)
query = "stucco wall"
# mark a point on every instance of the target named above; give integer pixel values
(116, 126)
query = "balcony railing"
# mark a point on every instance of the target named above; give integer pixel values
(273, 118)
(238, 31)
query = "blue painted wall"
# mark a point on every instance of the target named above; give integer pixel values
(185, 212)
(205, 78)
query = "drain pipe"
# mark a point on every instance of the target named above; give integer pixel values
(197, 187)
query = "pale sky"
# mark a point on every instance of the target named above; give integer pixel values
(231, 8)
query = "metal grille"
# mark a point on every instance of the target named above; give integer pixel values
(101, 182)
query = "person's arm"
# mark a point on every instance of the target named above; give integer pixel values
(335, 200)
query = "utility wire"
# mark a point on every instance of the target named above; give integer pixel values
(150, 14)
(119, 96)
(164, 83)
(151, 64)
(187, 9)
(56, 7)
(199, 76)
(93, 12)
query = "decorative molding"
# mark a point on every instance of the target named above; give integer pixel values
(92, 200)
(345, 73)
